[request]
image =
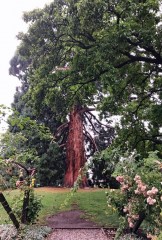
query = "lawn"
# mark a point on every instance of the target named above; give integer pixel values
(92, 202)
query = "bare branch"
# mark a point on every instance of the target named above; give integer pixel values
(89, 119)
(88, 135)
(61, 128)
(99, 121)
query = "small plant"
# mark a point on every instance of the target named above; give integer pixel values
(34, 207)
(129, 237)
(8, 232)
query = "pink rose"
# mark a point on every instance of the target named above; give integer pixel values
(131, 225)
(135, 217)
(125, 187)
(154, 190)
(136, 191)
(125, 209)
(137, 178)
(120, 179)
(143, 188)
(149, 192)
(151, 201)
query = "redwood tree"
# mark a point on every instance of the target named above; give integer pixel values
(75, 150)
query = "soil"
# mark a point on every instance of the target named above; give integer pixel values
(70, 219)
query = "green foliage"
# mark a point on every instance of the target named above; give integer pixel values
(160, 236)
(102, 166)
(34, 207)
(51, 166)
(9, 179)
(31, 143)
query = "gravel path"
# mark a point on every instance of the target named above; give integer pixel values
(77, 234)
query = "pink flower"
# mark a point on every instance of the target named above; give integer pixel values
(149, 192)
(139, 182)
(125, 187)
(129, 219)
(151, 201)
(120, 179)
(136, 191)
(135, 217)
(161, 198)
(125, 209)
(154, 190)
(143, 188)
(131, 225)
(137, 178)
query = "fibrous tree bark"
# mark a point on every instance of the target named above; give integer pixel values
(76, 136)
(75, 150)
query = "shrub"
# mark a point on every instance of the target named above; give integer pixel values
(139, 200)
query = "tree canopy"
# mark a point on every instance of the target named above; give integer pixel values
(111, 51)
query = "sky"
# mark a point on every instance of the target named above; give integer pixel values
(11, 23)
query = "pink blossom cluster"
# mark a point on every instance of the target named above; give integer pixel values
(131, 217)
(120, 179)
(123, 182)
(141, 187)
(151, 195)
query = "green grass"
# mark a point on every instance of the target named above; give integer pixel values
(93, 203)
(52, 204)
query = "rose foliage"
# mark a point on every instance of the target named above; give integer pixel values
(139, 200)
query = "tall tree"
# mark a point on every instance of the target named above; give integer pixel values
(45, 51)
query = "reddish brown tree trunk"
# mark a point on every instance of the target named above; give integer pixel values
(75, 149)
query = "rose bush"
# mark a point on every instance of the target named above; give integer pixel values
(139, 200)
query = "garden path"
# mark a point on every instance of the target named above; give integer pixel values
(71, 225)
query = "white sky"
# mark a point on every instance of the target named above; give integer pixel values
(10, 24)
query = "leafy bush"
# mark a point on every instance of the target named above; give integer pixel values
(139, 200)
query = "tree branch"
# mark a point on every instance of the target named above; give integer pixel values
(60, 128)
(87, 134)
